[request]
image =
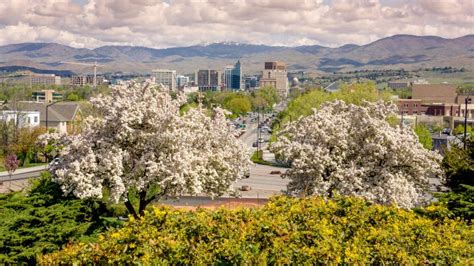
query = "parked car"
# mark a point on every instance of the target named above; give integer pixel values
(255, 144)
(54, 162)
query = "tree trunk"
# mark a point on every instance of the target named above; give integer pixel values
(130, 209)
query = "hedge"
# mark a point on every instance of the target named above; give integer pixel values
(284, 231)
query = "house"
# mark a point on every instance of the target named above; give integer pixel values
(65, 117)
(22, 118)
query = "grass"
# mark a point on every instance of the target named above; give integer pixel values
(257, 157)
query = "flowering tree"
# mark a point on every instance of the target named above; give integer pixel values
(353, 150)
(141, 142)
(11, 164)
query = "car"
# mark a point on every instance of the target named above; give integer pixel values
(246, 174)
(255, 144)
(54, 162)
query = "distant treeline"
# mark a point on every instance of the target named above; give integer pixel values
(62, 73)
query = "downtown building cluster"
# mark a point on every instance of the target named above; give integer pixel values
(231, 78)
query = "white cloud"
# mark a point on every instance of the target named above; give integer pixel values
(158, 23)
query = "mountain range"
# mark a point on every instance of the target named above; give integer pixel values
(398, 51)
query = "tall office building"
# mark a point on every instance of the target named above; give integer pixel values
(165, 77)
(228, 77)
(45, 79)
(208, 80)
(275, 75)
(233, 77)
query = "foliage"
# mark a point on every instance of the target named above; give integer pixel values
(352, 150)
(270, 97)
(141, 141)
(459, 130)
(424, 136)
(11, 164)
(309, 231)
(25, 145)
(460, 203)
(458, 165)
(257, 157)
(44, 220)
(239, 105)
(403, 93)
(73, 97)
(303, 105)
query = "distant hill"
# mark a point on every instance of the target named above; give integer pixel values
(398, 51)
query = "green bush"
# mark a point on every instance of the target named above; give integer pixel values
(43, 220)
(284, 231)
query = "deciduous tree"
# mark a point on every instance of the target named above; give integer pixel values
(141, 142)
(352, 150)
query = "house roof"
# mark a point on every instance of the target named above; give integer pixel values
(58, 112)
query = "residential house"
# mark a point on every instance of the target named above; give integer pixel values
(22, 118)
(65, 117)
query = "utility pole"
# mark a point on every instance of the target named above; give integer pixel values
(466, 101)
(258, 131)
(95, 75)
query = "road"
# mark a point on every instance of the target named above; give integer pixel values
(21, 174)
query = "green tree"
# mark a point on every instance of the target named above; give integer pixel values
(239, 106)
(424, 136)
(44, 220)
(270, 94)
(73, 97)
(458, 165)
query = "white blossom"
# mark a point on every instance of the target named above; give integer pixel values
(140, 139)
(353, 150)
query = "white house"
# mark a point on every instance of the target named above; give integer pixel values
(23, 118)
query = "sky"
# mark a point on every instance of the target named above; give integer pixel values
(170, 23)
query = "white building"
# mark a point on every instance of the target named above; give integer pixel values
(165, 77)
(275, 75)
(190, 89)
(23, 118)
(45, 79)
(182, 81)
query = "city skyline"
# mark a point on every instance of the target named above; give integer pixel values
(174, 23)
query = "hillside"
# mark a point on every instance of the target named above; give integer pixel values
(399, 51)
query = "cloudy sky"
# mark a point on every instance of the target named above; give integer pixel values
(167, 23)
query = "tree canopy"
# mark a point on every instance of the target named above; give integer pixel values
(142, 143)
(352, 150)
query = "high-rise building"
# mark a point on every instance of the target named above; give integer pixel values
(228, 77)
(233, 77)
(44, 79)
(165, 77)
(208, 80)
(275, 75)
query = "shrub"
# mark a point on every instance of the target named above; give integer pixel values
(44, 220)
(285, 231)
